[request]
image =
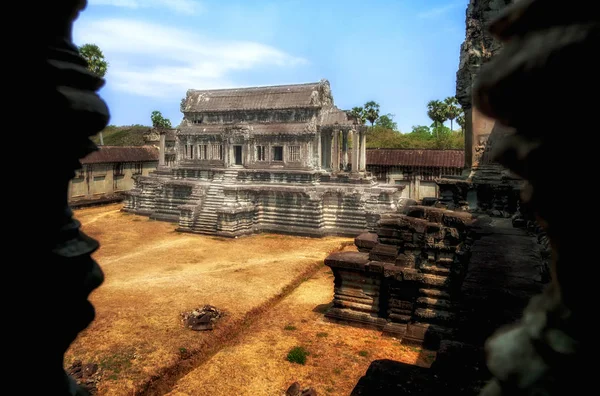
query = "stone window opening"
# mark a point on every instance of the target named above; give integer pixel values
(277, 153)
(294, 153)
(216, 152)
(203, 151)
(261, 153)
(189, 151)
(137, 168)
(118, 169)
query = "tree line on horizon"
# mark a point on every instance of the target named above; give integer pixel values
(382, 133)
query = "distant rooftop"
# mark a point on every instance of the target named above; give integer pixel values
(416, 158)
(108, 154)
(309, 95)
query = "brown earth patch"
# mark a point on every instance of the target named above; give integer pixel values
(153, 273)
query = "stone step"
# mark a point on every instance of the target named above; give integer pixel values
(435, 293)
(430, 315)
(430, 268)
(437, 303)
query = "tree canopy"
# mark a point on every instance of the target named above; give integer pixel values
(358, 113)
(421, 137)
(158, 121)
(452, 109)
(94, 58)
(372, 111)
(387, 121)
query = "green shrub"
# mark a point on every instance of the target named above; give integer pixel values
(297, 355)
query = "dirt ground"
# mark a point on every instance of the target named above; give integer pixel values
(153, 273)
(338, 355)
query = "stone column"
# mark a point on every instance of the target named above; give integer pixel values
(363, 151)
(161, 149)
(355, 146)
(335, 160)
(345, 149)
(318, 149)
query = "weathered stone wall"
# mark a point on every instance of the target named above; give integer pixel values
(252, 116)
(93, 181)
(477, 49)
(487, 187)
(249, 143)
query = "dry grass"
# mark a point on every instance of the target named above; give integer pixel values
(338, 355)
(153, 273)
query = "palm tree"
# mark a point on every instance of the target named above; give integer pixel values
(436, 110)
(452, 109)
(359, 114)
(95, 59)
(371, 111)
(96, 64)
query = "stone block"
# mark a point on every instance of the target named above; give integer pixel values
(385, 253)
(366, 241)
(348, 260)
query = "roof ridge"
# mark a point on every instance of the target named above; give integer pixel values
(256, 87)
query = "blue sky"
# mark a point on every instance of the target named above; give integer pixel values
(400, 53)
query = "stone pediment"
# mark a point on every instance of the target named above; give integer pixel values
(152, 136)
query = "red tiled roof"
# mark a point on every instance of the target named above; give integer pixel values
(416, 157)
(254, 98)
(122, 154)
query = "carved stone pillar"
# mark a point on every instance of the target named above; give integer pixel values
(363, 151)
(335, 151)
(539, 84)
(318, 149)
(161, 149)
(345, 149)
(355, 146)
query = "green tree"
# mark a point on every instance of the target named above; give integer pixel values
(371, 111)
(452, 109)
(359, 114)
(460, 120)
(387, 121)
(436, 110)
(94, 58)
(96, 64)
(421, 132)
(158, 121)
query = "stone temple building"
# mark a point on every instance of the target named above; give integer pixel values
(273, 159)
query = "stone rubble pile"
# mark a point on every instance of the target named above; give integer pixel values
(201, 319)
(296, 390)
(86, 375)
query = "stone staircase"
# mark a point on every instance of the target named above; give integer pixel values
(188, 211)
(348, 214)
(434, 308)
(205, 219)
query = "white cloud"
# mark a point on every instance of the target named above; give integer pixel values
(157, 61)
(181, 6)
(441, 10)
